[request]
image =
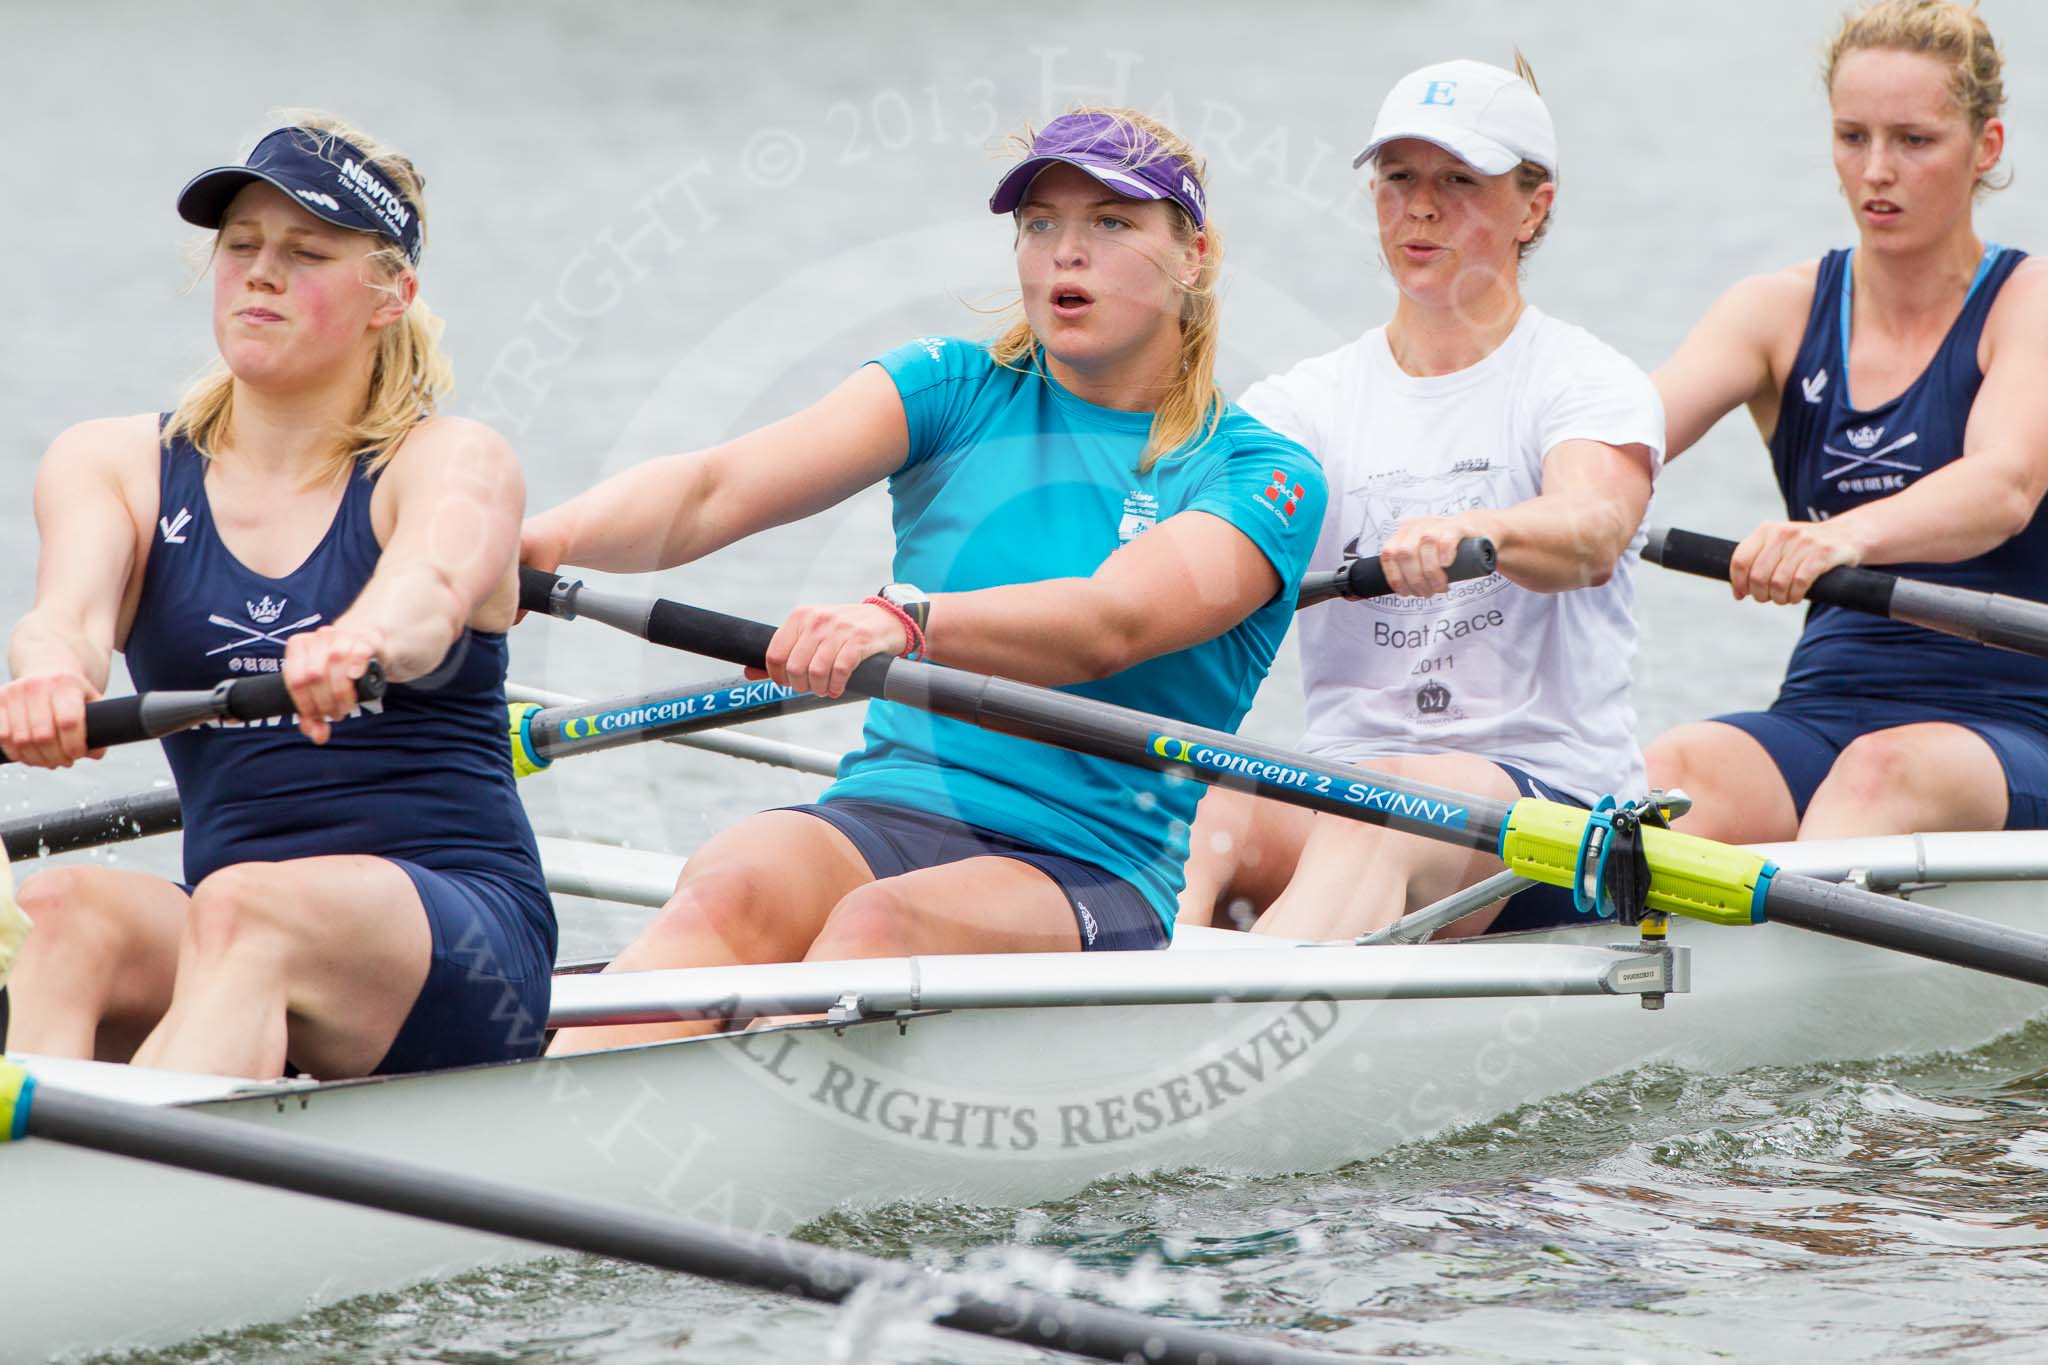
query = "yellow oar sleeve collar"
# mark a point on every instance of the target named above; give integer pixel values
(1689, 876)
(16, 1089)
(525, 762)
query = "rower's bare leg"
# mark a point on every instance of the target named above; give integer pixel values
(95, 974)
(1353, 878)
(1241, 855)
(318, 959)
(977, 905)
(1906, 779)
(1738, 795)
(757, 892)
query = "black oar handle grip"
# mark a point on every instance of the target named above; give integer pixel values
(1364, 577)
(118, 721)
(675, 625)
(537, 589)
(1856, 589)
(710, 633)
(152, 715)
(262, 697)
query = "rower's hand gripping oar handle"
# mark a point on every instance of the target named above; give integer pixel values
(1709, 556)
(152, 715)
(1996, 619)
(1365, 577)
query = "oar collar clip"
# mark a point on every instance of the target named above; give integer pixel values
(1611, 878)
(562, 598)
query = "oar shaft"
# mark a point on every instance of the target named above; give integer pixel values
(1362, 578)
(753, 748)
(1995, 619)
(248, 1153)
(1928, 931)
(1992, 618)
(135, 816)
(587, 727)
(1066, 721)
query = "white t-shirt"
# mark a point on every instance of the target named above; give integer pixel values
(1536, 680)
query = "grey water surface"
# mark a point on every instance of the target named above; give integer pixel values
(656, 225)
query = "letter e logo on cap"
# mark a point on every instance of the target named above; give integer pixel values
(1440, 92)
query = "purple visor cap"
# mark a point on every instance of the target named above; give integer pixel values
(1126, 159)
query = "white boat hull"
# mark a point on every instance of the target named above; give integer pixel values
(768, 1130)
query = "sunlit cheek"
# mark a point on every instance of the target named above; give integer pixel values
(326, 306)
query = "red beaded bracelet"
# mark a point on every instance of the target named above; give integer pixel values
(913, 635)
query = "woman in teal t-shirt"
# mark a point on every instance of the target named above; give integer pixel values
(1076, 506)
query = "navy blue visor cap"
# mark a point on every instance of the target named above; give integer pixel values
(322, 174)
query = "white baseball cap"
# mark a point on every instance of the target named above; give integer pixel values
(1490, 119)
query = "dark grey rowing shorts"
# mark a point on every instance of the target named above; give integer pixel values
(1109, 911)
(1539, 907)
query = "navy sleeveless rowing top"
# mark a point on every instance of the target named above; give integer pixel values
(424, 775)
(1831, 456)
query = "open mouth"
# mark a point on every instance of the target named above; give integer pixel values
(1068, 301)
(1881, 208)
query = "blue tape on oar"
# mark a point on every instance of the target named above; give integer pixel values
(1763, 894)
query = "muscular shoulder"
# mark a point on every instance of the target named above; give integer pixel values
(440, 440)
(1763, 317)
(444, 455)
(1772, 304)
(120, 449)
(109, 439)
(2021, 309)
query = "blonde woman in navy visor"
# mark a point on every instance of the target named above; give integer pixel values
(362, 892)
(1469, 413)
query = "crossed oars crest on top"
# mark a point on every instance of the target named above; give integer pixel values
(264, 612)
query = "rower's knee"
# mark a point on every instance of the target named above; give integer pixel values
(239, 911)
(1873, 771)
(1679, 758)
(727, 905)
(74, 931)
(867, 922)
(1733, 783)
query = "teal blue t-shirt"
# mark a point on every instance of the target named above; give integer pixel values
(1013, 479)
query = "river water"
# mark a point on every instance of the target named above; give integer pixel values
(656, 225)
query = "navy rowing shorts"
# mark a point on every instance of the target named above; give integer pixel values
(490, 971)
(492, 967)
(1806, 734)
(1109, 911)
